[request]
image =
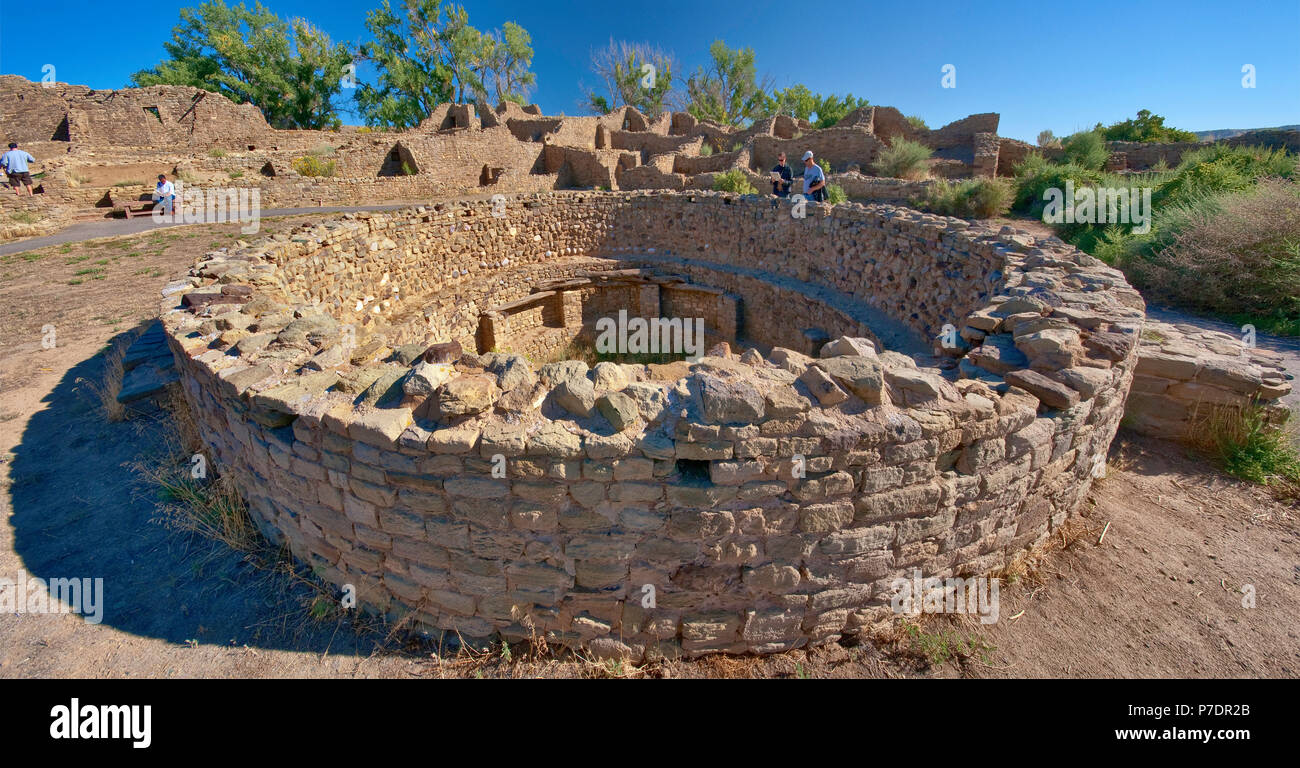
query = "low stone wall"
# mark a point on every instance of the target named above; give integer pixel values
(1186, 377)
(733, 505)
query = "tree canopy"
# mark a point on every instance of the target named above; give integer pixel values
(729, 91)
(1146, 127)
(289, 69)
(622, 68)
(428, 54)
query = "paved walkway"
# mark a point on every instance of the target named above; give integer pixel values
(90, 230)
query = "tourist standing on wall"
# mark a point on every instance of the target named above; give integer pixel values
(15, 163)
(814, 180)
(165, 193)
(782, 176)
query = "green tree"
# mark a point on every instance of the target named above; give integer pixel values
(505, 65)
(796, 101)
(622, 67)
(289, 69)
(831, 109)
(428, 54)
(729, 91)
(800, 102)
(1146, 127)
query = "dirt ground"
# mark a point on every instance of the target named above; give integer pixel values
(1159, 595)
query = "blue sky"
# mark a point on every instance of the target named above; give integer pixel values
(1041, 65)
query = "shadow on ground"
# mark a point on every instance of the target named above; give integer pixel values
(81, 511)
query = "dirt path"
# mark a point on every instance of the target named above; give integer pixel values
(1159, 596)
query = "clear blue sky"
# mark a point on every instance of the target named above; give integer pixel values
(1040, 64)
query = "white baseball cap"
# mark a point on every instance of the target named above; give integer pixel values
(807, 155)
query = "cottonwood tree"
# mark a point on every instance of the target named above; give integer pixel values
(505, 60)
(289, 69)
(797, 101)
(728, 91)
(621, 66)
(831, 109)
(800, 102)
(428, 54)
(1146, 127)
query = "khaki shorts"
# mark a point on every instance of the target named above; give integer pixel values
(24, 178)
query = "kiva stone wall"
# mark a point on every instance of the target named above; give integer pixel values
(766, 503)
(1187, 377)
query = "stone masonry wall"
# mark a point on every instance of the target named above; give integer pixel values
(825, 478)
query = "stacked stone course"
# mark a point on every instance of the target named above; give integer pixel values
(376, 468)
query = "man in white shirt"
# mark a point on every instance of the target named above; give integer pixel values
(165, 193)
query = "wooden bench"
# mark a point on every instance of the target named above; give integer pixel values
(139, 208)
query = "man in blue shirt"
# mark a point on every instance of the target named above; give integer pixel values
(781, 177)
(814, 180)
(15, 163)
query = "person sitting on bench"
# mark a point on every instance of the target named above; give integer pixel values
(165, 194)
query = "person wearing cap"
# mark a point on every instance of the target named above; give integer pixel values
(15, 163)
(814, 180)
(165, 193)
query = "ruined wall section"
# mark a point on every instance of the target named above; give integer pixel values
(389, 488)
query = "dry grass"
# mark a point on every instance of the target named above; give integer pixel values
(107, 390)
(194, 499)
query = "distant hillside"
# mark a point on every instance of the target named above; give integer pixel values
(1228, 133)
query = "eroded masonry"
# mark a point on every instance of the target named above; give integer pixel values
(361, 382)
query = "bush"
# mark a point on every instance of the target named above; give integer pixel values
(706, 149)
(917, 123)
(1219, 168)
(735, 181)
(1035, 176)
(1234, 253)
(1249, 446)
(313, 165)
(835, 194)
(968, 199)
(1086, 149)
(904, 159)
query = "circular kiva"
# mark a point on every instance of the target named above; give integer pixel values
(916, 395)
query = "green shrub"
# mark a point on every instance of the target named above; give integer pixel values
(216, 152)
(1235, 253)
(1086, 149)
(1035, 176)
(968, 199)
(313, 165)
(1249, 447)
(734, 180)
(706, 149)
(1220, 168)
(917, 123)
(835, 194)
(904, 159)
